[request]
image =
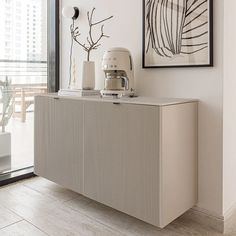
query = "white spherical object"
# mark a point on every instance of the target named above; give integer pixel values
(68, 12)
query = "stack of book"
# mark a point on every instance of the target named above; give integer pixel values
(78, 92)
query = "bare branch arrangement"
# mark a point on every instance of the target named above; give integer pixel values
(91, 44)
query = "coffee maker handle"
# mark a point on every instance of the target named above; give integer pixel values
(126, 82)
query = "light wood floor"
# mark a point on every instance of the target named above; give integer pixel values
(38, 207)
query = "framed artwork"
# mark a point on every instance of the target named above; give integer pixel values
(177, 33)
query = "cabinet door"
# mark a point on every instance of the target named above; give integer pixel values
(59, 140)
(121, 157)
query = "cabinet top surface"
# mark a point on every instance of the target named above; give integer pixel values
(127, 100)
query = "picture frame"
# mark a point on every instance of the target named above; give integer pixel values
(177, 35)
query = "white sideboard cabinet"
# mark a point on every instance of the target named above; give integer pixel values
(136, 155)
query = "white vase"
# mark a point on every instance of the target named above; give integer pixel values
(5, 144)
(88, 75)
(5, 151)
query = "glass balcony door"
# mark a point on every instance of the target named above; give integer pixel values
(23, 74)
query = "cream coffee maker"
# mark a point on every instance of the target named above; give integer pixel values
(119, 73)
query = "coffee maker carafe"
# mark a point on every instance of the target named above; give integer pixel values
(119, 74)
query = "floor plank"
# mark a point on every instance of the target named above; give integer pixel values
(7, 217)
(50, 189)
(21, 228)
(50, 215)
(131, 226)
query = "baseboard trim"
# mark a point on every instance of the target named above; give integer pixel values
(230, 219)
(223, 224)
(206, 218)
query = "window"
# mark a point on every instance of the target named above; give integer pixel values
(24, 40)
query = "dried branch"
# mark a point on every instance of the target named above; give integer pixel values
(92, 44)
(99, 22)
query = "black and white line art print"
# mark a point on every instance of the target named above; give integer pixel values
(177, 33)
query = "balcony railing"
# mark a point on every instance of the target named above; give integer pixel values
(24, 72)
(27, 78)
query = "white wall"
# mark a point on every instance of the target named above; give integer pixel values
(203, 83)
(229, 170)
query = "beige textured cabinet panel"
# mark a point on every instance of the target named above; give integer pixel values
(120, 157)
(59, 141)
(178, 160)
